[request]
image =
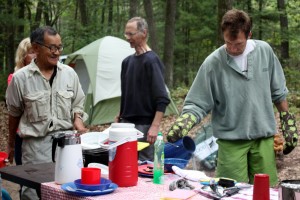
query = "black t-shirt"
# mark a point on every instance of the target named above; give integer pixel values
(143, 90)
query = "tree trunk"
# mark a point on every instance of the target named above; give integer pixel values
(151, 25)
(133, 4)
(260, 5)
(169, 41)
(110, 17)
(249, 6)
(21, 15)
(118, 25)
(283, 30)
(102, 22)
(83, 13)
(74, 27)
(38, 15)
(47, 17)
(186, 54)
(223, 6)
(10, 44)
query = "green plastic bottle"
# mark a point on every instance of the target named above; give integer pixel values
(159, 158)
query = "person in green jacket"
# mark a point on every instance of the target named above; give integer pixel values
(239, 83)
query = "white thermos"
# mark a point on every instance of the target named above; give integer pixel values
(68, 162)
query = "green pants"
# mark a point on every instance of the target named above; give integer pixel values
(242, 159)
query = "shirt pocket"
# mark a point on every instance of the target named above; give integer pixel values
(37, 106)
(64, 104)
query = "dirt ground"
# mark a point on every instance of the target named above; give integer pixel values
(288, 165)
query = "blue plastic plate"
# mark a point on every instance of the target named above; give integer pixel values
(111, 188)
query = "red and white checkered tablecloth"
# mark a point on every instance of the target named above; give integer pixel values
(144, 190)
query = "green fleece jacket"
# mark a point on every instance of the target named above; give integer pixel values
(241, 105)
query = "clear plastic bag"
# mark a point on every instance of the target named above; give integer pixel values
(205, 155)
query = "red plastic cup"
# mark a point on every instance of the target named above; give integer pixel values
(90, 175)
(3, 157)
(261, 188)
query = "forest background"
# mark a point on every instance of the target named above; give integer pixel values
(182, 32)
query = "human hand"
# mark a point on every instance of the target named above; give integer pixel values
(117, 119)
(11, 154)
(289, 131)
(278, 143)
(152, 134)
(181, 127)
(79, 125)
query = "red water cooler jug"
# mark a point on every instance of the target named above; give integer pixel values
(123, 159)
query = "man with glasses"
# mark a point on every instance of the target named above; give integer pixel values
(43, 97)
(143, 93)
(239, 83)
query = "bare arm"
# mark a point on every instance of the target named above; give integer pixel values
(154, 129)
(78, 123)
(13, 123)
(117, 118)
(282, 106)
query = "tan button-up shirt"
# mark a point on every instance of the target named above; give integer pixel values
(44, 108)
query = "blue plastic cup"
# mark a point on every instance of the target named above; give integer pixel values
(183, 148)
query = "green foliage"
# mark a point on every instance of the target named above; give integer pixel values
(3, 84)
(196, 28)
(178, 94)
(195, 38)
(292, 79)
(293, 83)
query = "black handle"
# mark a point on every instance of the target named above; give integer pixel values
(57, 140)
(54, 143)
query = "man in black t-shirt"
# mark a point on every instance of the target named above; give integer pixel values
(144, 97)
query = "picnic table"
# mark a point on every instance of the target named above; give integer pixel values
(41, 178)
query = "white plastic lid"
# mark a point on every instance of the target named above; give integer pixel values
(122, 125)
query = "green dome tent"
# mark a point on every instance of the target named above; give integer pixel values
(98, 66)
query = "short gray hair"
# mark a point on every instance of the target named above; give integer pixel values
(141, 23)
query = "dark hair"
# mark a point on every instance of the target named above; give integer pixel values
(236, 20)
(141, 23)
(38, 34)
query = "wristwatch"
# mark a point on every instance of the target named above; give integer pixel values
(79, 115)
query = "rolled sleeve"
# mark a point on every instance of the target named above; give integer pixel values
(78, 102)
(13, 100)
(279, 90)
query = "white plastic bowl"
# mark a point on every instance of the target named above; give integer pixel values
(104, 169)
(92, 140)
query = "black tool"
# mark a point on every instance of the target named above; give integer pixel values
(231, 192)
(226, 183)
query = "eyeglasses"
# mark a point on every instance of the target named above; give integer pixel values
(128, 34)
(52, 48)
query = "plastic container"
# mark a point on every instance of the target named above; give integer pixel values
(178, 162)
(90, 175)
(289, 189)
(123, 159)
(158, 170)
(3, 157)
(103, 185)
(261, 187)
(104, 168)
(183, 148)
(68, 155)
(95, 157)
